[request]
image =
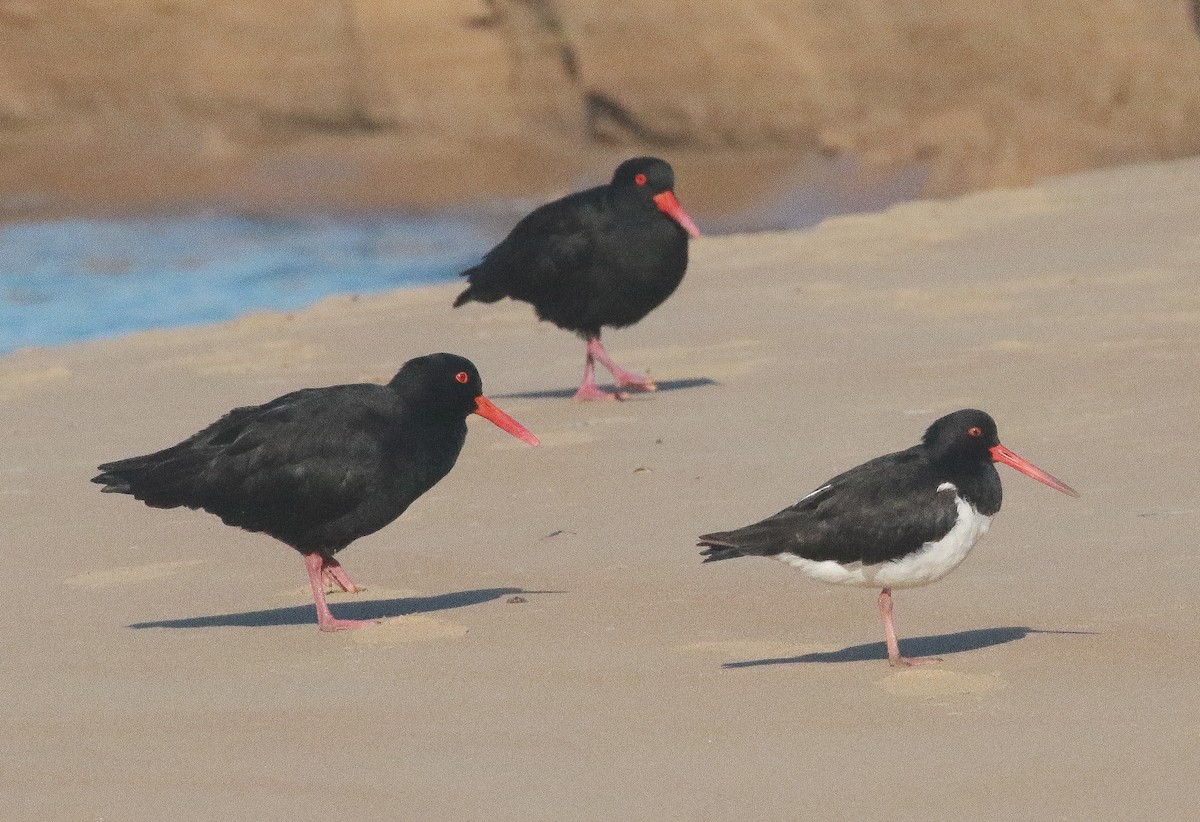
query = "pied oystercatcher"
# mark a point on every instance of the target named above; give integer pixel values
(320, 467)
(899, 521)
(607, 256)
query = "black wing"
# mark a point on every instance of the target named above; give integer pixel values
(542, 252)
(287, 467)
(879, 511)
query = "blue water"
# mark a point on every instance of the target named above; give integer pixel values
(71, 280)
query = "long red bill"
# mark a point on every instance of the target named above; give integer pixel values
(488, 410)
(668, 205)
(1002, 454)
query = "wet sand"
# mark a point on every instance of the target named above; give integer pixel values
(160, 665)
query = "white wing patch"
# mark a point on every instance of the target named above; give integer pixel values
(927, 564)
(812, 494)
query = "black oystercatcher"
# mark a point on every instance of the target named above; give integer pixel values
(320, 467)
(606, 256)
(900, 521)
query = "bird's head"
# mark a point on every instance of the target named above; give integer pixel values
(970, 436)
(654, 179)
(448, 383)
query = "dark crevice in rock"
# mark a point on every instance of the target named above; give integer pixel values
(531, 22)
(609, 122)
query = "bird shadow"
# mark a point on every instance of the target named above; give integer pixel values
(366, 609)
(938, 645)
(567, 393)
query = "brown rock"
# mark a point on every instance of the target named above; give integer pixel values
(365, 102)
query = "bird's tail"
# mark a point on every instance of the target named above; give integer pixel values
(464, 297)
(717, 550)
(479, 290)
(161, 480)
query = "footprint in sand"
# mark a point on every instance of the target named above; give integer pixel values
(413, 628)
(129, 574)
(928, 682)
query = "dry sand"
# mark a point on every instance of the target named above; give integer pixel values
(159, 665)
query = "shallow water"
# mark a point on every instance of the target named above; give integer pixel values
(72, 280)
(64, 281)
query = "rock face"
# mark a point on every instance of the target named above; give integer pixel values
(983, 93)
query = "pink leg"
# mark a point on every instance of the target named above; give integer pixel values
(588, 390)
(889, 633)
(315, 564)
(332, 573)
(625, 379)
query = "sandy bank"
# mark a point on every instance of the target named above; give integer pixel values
(634, 683)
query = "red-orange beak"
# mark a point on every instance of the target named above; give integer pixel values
(1002, 454)
(668, 205)
(488, 410)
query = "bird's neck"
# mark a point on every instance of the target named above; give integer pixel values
(978, 484)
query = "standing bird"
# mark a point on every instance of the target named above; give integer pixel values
(605, 256)
(899, 521)
(320, 467)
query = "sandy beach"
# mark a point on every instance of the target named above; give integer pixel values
(553, 648)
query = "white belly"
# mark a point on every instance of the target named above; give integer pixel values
(927, 564)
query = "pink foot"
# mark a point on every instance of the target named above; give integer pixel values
(593, 392)
(911, 661)
(319, 568)
(637, 382)
(334, 624)
(333, 574)
(588, 390)
(623, 378)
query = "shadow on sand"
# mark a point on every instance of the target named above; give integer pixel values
(366, 609)
(567, 393)
(939, 645)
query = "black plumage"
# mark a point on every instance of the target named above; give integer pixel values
(901, 520)
(320, 467)
(885, 508)
(606, 256)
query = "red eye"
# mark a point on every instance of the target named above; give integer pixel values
(640, 179)
(974, 431)
(463, 377)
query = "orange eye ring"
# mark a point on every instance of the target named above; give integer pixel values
(463, 377)
(974, 431)
(640, 179)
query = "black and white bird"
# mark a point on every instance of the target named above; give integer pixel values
(898, 521)
(607, 256)
(320, 467)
